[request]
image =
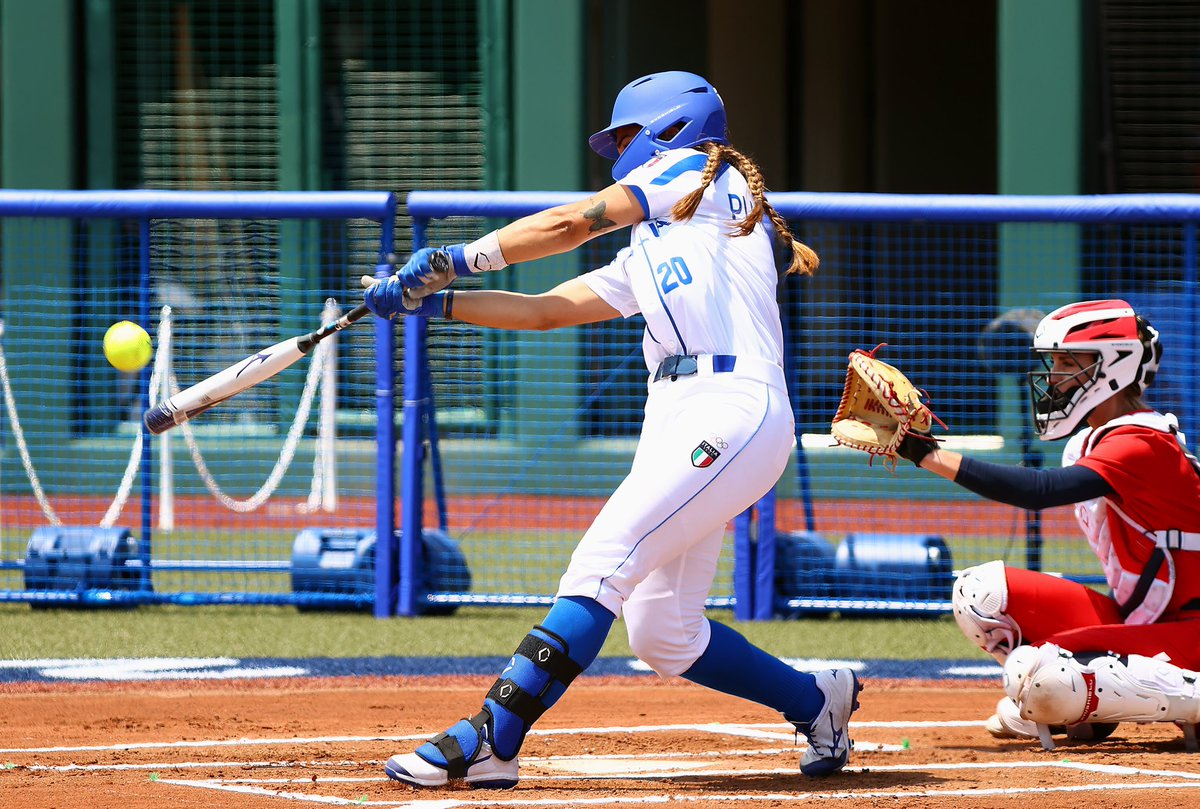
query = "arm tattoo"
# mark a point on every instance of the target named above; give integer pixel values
(596, 213)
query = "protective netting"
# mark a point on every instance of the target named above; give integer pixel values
(557, 415)
(527, 433)
(219, 500)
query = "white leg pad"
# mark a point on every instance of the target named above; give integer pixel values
(979, 600)
(1054, 688)
(1023, 661)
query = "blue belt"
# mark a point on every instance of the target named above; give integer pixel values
(687, 365)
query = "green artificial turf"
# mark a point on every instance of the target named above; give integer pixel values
(157, 631)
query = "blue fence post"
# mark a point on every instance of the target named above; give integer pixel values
(412, 478)
(145, 580)
(743, 567)
(764, 562)
(385, 448)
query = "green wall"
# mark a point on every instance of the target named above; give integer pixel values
(1040, 145)
(548, 142)
(38, 151)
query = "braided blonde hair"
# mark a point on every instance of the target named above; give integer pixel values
(804, 258)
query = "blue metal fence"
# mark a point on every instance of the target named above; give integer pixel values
(524, 435)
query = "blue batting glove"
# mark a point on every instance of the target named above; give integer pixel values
(425, 264)
(458, 259)
(385, 298)
(417, 270)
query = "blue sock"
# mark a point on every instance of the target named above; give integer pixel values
(582, 624)
(732, 665)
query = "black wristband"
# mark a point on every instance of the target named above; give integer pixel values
(448, 305)
(916, 446)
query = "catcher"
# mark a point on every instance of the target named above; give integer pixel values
(1077, 661)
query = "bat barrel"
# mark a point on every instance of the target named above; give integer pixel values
(207, 393)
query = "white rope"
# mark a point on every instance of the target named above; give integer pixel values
(166, 460)
(135, 455)
(322, 495)
(286, 455)
(160, 373)
(131, 468)
(10, 404)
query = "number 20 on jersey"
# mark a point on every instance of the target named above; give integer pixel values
(673, 274)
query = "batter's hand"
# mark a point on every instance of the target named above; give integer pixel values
(430, 270)
(433, 305)
(383, 297)
(388, 298)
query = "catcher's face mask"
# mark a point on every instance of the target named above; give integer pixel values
(1091, 351)
(1059, 388)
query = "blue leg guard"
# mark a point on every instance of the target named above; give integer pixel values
(545, 663)
(732, 665)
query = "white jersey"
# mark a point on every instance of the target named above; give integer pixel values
(700, 290)
(714, 439)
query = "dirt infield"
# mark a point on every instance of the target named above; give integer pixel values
(612, 741)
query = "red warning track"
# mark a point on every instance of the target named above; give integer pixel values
(516, 512)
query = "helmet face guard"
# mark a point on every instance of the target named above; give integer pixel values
(1112, 348)
(1057, 395)
(674, 110)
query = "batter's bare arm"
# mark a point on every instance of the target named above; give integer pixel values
(546, 233)
(562, 229)
(571, 303)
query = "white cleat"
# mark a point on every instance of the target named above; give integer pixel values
(486, 771)
(443, 759)
(828, 735)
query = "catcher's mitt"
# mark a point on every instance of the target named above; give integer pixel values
(879, 408)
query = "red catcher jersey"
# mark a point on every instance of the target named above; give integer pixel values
(1156, 485)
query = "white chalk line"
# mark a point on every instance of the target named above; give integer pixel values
(753, 730)
(864, 747)
(199, 744)
(453, 803)
(250, 786)
(198, 765)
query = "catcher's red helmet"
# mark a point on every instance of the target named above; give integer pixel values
(1126, 349)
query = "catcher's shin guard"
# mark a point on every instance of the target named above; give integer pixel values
(1006, 723)
(1051, 687)
(979, 600)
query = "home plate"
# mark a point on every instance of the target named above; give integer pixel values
(621, 766)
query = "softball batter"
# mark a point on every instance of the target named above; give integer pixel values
(717, 433)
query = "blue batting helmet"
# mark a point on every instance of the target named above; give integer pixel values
(658, 103)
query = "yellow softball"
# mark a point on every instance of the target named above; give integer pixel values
(127, 346)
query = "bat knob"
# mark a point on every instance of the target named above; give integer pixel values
(158, 419)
